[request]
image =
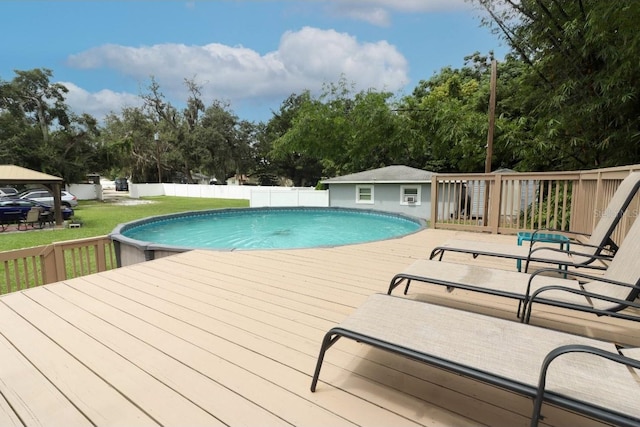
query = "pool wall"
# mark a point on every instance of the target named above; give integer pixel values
(130, 251)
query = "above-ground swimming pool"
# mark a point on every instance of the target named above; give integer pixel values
(259, 228)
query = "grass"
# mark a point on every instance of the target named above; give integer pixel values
(100, 218)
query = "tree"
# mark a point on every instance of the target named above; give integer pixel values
(191, 150)
(348, 132)
(29, 96)
(448, 117)
(301, 168)
(19, 142)
(219, 136)
(129, 141)
(581, 86)
(41, 132)
(72, 151)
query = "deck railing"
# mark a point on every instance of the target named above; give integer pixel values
(516, 202)
(39, 265)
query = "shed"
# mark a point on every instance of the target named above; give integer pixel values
(12, 174)
(397, 189)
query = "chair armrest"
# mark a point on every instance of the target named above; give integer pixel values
(574, 348)
(626, 303)
(571, 252)
(609, 245)
(598, 278)
(634, 290)
(559, 231)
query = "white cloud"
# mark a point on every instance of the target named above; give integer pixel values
(305, 59)
(98, 104)
(410, 5)
(378, 12)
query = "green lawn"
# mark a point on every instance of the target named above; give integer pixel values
(100, 218)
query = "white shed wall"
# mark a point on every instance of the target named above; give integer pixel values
(386, 197)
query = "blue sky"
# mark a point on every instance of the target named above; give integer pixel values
(252, 54)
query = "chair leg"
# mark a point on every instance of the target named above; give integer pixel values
(406, 288)
(435, 253)
(522, 308)
(329, 339)
(395, 282)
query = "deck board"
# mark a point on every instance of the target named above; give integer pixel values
(150, 349)
(231, 338)
(81, 395)
(19, 381)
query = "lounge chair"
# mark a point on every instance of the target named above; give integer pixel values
(32, 218)
(605, 295)
(587, 376)
(599, 245)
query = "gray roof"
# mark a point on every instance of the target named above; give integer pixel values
(389, 174)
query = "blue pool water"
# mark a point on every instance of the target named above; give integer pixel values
(270, 228)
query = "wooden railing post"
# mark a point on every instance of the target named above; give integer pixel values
(58, 256)
(599, 201)
(48, 260)
(494, 203)
(101, 258)
(434, 201)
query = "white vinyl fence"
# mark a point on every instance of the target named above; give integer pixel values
(283, 196)
(257, 196)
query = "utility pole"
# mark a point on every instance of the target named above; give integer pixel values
(492, 116)
(156, 138)
(489, 146)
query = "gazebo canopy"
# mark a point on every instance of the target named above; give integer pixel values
(12, 174)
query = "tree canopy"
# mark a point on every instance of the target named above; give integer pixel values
(580, 88)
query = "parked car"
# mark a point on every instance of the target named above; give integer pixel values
(121, 184)
(45, 196)
(11, 210)
(8, 191)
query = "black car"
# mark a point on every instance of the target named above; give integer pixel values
(11, 209)
(122, 184)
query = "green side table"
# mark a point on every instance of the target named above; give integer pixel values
(525, 236)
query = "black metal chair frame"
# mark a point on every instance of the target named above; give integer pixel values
(527, 300)
(539, 394)
(531, 256)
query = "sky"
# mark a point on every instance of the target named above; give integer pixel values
(252, 54)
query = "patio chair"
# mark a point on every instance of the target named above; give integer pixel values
(32, 218)
(607, 294)
(599, 245)
(588, 376)
(9, 217)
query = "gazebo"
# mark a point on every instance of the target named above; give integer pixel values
(12, 174)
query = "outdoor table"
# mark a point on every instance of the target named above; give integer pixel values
(526, 236)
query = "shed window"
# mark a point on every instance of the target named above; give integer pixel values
(364, 194)
(410, 195)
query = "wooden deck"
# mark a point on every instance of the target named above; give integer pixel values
(231, 338)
